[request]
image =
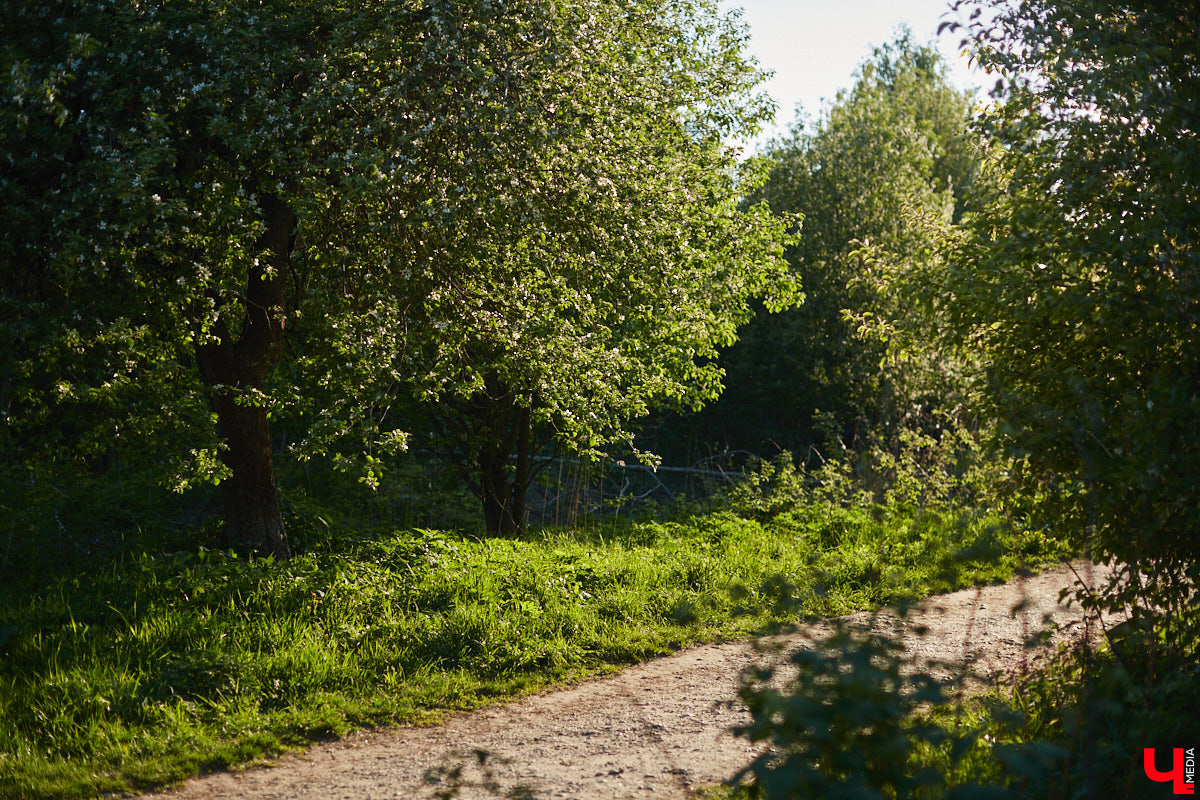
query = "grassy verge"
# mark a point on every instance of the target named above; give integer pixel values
(156, 666)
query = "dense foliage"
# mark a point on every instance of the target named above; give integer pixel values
(1080, 281)
(888, 161)
(1075, 287)
(222, 214)
(498, 228)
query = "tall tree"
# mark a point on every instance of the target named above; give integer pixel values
(1081, 279)
(888, 156)
(624, 264)
(196, 187)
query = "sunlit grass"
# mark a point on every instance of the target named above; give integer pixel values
(158, 666)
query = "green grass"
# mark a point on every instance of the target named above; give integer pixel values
(140, 668)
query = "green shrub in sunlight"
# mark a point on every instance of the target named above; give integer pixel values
(940, 466)
(839, 719)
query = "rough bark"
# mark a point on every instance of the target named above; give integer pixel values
(253, 521)
(235, 369)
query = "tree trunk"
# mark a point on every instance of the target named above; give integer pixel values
(493, 494)
(253, 521)
(520, 485)
(507, 425)
(235, 369)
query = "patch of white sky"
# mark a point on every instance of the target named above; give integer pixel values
(814, 46)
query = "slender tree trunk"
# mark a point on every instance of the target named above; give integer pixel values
(507, 425)
(521, 479)
(493, 485)
(235, 369)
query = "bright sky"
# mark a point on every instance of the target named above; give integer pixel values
(813, 46)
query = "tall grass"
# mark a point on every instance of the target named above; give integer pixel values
(154, 665)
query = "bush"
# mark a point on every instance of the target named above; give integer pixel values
(842, 725)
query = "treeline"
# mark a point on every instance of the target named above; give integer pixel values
(498, 232)
(1062, 300)
(875, 180)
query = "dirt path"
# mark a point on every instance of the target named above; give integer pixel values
(658, 729)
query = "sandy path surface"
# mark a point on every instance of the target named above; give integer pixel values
(659, 729)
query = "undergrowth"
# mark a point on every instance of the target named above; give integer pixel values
(855, 719)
